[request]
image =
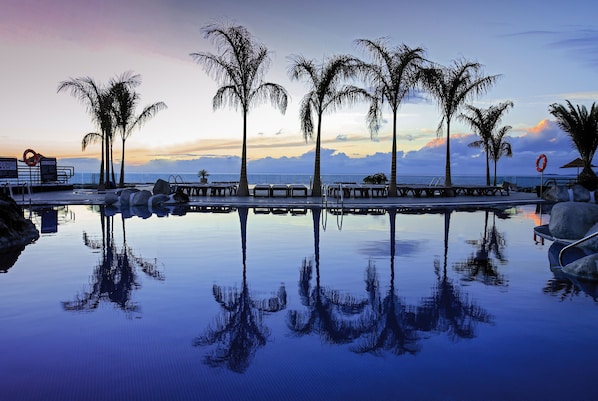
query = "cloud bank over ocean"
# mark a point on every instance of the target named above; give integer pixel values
(545, 138)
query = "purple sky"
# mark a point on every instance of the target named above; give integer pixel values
(546, 52)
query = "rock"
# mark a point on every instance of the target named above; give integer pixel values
(572, 220)
(161, 187)
(159, 199)
(556, 193)
(125, 196)
(111, 198)
(140, 198)
(8, 257)
(141, 211)
(15, 230)
(586, 267)
(580, 193)
(178, 197)
(592, 243)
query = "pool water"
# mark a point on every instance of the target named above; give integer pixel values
(266, 304)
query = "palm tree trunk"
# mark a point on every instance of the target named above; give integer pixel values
(113, 180)
(495, 163)
(316, 189)
(487, 151)
(121, 182)
(107, 150)
(447, 170)
(101, 182)
(392, 189)
(243, 185)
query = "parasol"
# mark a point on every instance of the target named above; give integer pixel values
(577, 163)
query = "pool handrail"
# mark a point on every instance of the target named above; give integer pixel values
(571, 245)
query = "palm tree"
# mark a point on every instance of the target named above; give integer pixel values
(499, 146)
(240, 68)
(393, 76)
(125, 103)
(452, 87)
(582, 128)
(325, 95)
(98, 102)
(484, 122)
(93, 137)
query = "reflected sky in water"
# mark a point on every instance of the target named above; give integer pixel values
(265, 304)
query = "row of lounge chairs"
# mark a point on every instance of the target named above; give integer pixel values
(340, 190)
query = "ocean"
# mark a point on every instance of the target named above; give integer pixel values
(271, 178)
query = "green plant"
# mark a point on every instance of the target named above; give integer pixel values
(203, 174)
(378, 178)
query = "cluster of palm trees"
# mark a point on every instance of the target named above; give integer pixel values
(112, 108)
(392, 75)
(582, 127)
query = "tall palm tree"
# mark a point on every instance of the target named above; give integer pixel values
(483, 122)
(98, 102)
(125, 103)
(500, 146)
(325, 95)
(452, 87)
(393, 75)
(240, 68)
(582, 128)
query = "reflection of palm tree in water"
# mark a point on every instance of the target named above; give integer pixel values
(393, 324)
(480, 266)
(239, 331)
(448, 310)
(114, 278)
(329, 313)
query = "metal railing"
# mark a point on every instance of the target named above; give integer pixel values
(573, 244)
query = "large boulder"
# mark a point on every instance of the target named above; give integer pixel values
(161, 187)
(576, 193)
(111, 198)
(580, 193)
(586, 267)
(126, 195)
(15, 230)
(572, 220)
(592, 243)
(557, 193)
(140, 198)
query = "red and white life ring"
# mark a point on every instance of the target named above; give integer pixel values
(32, 160)
(541, 162)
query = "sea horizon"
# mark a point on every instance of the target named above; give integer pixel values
(522, 181)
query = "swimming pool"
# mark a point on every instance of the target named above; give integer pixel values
(237, 303)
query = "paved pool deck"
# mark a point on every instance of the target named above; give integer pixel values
(95, 197)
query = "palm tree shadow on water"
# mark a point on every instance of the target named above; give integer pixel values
(115, 277)
(393, 325)
(448, 309)
(480, 266)
(239, 330)
(336, 318)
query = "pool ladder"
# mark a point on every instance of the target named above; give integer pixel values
(573, 244)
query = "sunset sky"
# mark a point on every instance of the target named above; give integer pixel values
(546, 52)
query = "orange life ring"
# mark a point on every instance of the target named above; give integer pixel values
(541, 162)
(30, 160)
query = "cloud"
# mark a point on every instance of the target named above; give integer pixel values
(545, 137)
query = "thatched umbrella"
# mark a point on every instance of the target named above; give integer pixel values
(577, 163)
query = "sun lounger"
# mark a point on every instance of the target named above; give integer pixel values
(261, 190)
(279, 190)
(297, 190)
